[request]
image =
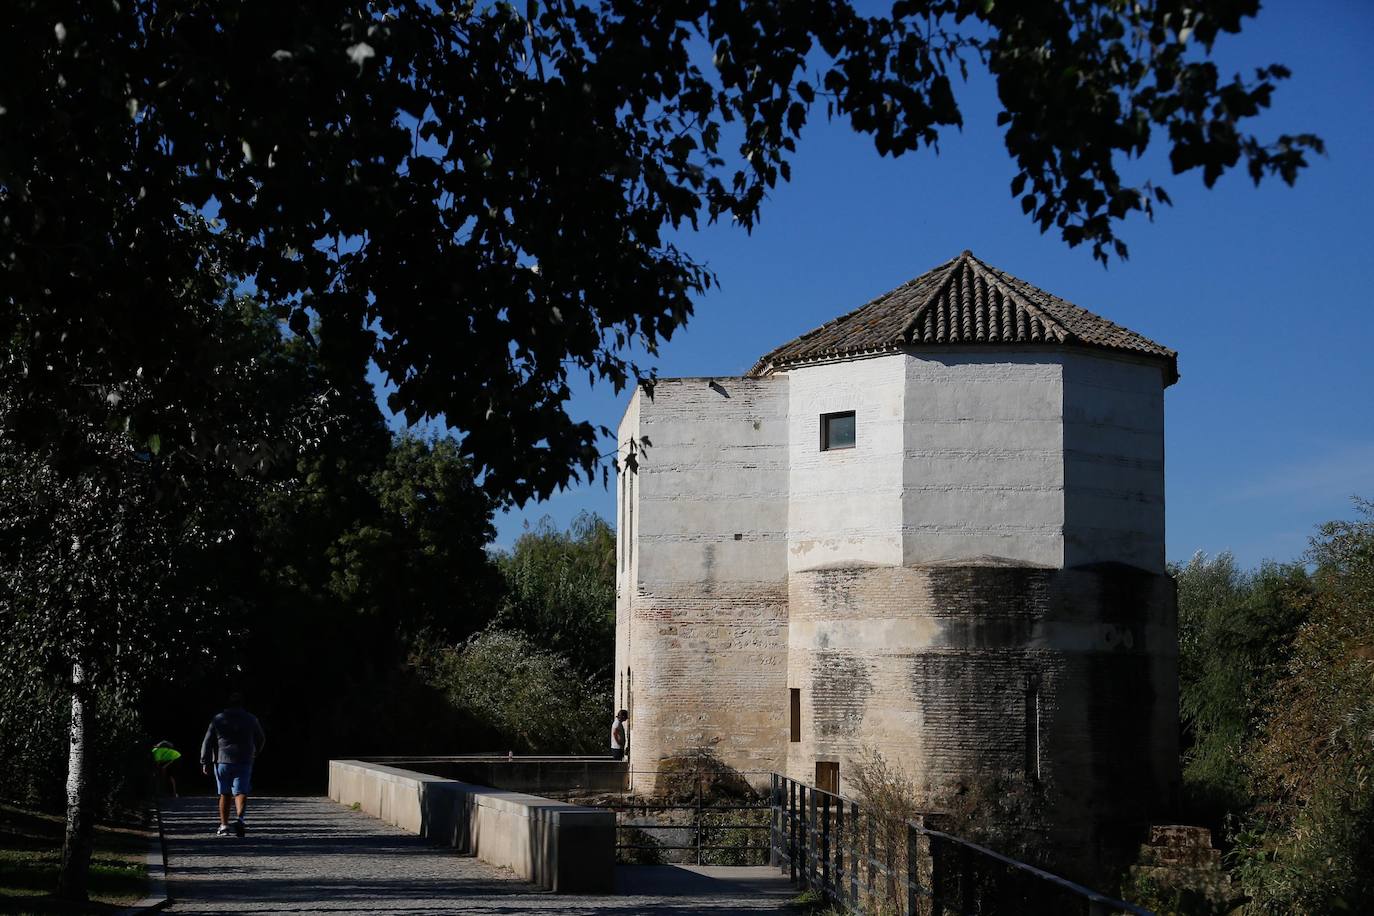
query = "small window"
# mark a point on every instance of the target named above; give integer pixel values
(796, 713)
(837, 430)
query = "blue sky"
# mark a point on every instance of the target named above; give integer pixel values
(1265, 293)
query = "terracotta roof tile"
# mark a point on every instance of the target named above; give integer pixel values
(963, 301)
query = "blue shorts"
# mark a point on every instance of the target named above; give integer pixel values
(234, 778)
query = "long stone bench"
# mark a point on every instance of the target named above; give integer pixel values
(533, 774)
(561, 847)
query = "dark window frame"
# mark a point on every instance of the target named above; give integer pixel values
(826, 419)
(794, 714)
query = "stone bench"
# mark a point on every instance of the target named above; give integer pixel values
(561, 847)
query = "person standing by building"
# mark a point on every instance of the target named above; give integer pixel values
(232, 742)
(619, 735)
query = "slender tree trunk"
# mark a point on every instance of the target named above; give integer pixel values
(76, 843)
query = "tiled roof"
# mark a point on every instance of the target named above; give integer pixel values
(963, 301)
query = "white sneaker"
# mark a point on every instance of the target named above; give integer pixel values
(223, 830)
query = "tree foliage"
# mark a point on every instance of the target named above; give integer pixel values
(1308, 844)
(417, 559)
(113, 547)
(1236, 632)
(480, 196)
(1277, 695)
(560, 591)
(531, 699)
(363, 546)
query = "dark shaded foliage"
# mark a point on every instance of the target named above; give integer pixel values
(531, 699)
(478, 196)
(1236, 632)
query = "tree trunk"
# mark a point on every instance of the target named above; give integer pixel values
(76, 842)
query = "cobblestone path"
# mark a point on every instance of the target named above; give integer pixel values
(310, 855)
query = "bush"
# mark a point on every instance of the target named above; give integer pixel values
(532, 697)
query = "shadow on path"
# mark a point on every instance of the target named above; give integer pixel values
(310, 855)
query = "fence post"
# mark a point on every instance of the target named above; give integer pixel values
(825, 842)
(698, 830)
(913, 868)
(966, 882)
(773, 822)
(839, 848)
(872, 854)
(811, 838)
(937, 877)
(855, 845)
(792, 829)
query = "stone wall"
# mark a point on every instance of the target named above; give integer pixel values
(1061, 681)
(702, 628)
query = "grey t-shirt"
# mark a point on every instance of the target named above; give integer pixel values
(234, 736)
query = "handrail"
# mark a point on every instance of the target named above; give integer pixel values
(794, 847)
(1085, 892)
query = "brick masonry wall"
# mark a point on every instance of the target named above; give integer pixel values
(953, 673)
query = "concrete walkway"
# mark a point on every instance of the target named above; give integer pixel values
(309, 855)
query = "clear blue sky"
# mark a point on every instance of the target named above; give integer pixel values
(1265, 293)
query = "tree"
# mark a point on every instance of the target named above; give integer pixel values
(357, 556)
(476, 196)
(112, 546)
(1307, 846)
(560, 591)
(1236, 633)
(418, 559)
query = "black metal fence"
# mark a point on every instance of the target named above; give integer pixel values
(698, 822)
(865, 862)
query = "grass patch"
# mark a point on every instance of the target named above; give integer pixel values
(813, 903)
(31, 855)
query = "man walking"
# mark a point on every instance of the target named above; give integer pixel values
(232, 741)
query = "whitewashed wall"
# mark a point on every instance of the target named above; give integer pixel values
(983, 472)
(1113, 461)
(845, 505)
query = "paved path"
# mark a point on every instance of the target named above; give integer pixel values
(310, 855)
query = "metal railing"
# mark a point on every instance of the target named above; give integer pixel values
(863, 862)
(646, 829)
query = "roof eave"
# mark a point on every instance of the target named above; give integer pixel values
(765, 368)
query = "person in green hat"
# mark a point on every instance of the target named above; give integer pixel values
(165, 757)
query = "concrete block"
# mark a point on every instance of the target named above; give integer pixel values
(561, 847)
